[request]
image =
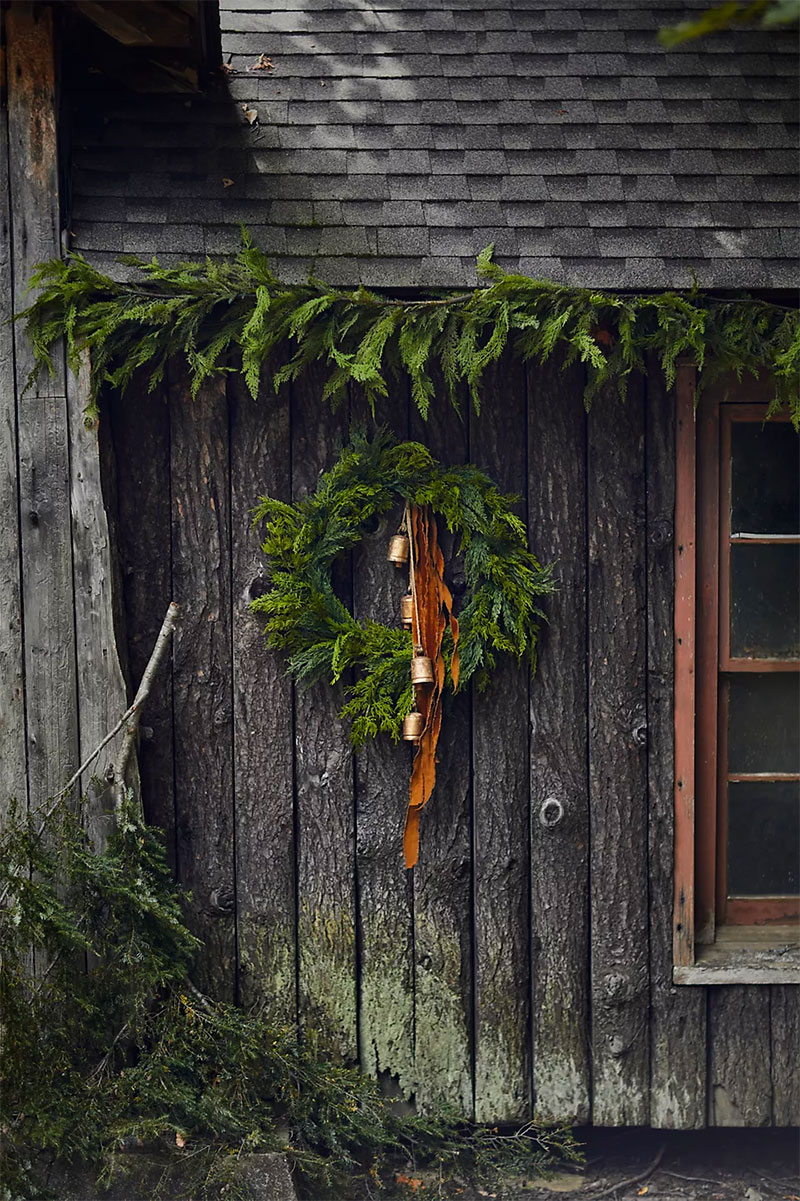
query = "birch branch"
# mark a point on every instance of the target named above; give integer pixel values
(133, 716)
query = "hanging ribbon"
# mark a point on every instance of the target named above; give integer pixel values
(433, 611)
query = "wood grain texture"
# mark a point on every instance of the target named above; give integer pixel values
(43, 463)
(501, 806)
(140, 435)
(784, 1026)
(12, 695)
(101, 688)
(326, 919)
(443, 921)
(617, 760)
(677, 1015)
(202, 703)
(558, 748)
(385, 888)
(263, 732)
(740, 1088)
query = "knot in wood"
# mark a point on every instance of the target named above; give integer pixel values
(661, 533)
(639, 731)
(223, 900)
(551, 813)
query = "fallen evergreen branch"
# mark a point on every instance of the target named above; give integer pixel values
(236, 311)
(130, 1054)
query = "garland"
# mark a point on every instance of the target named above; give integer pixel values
(305, 617)
(214, 311)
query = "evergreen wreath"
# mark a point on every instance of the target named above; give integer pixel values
(500, 612)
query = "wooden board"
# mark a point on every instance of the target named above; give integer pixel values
(385, 888)
(202, 703)
(739, 1085)
(12, 695)
(784, 1027)
(443, 925)
(558, 748)
(263, 732)
(139, 422)
(326, 917)
(500, 791)
(677, 1015)
(47, 596)
(101, 687)
(617, 759)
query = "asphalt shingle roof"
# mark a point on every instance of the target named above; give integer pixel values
(395, 139)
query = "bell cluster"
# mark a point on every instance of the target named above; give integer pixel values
(421, 666)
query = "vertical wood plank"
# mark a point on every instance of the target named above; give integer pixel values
(202, 675)
(784, 1023)
(101, 687)
(501, 804)
(677, 1015)
(558, 748)
(263, 731)
(12, 694)
(684, 686)
(140, 436)
(47, 597)
(739, 1068)
(385, 888)
(326, 918)
(617, 760)
(443, 917)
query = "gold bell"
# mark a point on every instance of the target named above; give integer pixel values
(407, 610)
(413, 725)
(421, 669)
(398, 550)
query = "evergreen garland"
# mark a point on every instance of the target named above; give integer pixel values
(499, 614)
(216, 312)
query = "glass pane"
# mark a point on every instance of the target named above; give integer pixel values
(764, 723)
(765, 478)
(765, 601)
(763, 839)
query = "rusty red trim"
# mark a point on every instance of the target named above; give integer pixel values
(684, 687)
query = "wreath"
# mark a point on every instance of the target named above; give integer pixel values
(499, 614)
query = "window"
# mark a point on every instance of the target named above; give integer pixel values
(737, 689)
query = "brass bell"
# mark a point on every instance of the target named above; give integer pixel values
(398, 550)
(421, 669)
(413, 725)
(407, 610)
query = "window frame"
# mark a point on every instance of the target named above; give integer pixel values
(705, 951)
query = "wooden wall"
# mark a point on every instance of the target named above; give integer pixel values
(522, 965)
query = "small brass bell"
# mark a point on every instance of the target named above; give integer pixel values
(421, 668)
(407, 610)
(398, 550)
(413, 725)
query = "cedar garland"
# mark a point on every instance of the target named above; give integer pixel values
(236, 311)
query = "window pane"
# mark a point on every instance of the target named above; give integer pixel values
(764, 723)
(765, 478)
(765, 601)
(763, 839)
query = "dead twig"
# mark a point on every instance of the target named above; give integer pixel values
(133, 715)
(699, 1179)
(645, 1175)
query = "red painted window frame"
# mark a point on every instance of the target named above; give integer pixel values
(701, 591)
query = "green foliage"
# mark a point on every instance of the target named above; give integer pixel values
(216, 314)
(129, 1051)
(305, 618)
(770, 13)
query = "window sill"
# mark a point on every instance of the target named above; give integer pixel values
(746, 955)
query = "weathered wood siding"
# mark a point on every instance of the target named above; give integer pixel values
(525, 964)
